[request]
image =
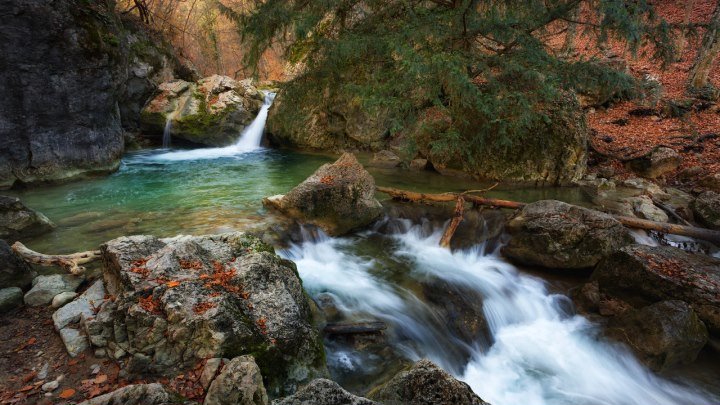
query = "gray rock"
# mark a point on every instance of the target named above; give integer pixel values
(139, 394)
(210, 371)
(45, 288)
(643, 207)
(386, 159)
(557, 235)
(706, 209)
(50, 386)
(82, 308)
(239, 382)
(63, 298)
(338, 197)
(63, 112)
(663, 335)
(419, 164)
(642, 275)
(75, 342)
(18, 221)
(711, 182)
(218, 296)
(658, 162)
(14, 272)
(323, 392)
(10, 298)
(425, 384)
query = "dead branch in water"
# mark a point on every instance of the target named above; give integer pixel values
(630, 222)
(354, 328)
(70, 263)
(452, 226)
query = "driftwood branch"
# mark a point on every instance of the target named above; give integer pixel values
(454, 222)
(354, 328)
(630, 222)
(70, 263)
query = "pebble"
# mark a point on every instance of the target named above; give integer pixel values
(94, 369)
(100, 352)
(63, 298)
(42, 374)
(50, 386)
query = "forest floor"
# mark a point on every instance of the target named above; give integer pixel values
(633, 128)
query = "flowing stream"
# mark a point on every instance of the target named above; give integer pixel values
(539, 352)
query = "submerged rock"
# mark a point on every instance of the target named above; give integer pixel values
(339, 197)
(642, 275)
(706, 209)
(557, 235)
(18, 221)
(14, 272)
(213, 111)
(425, 384)
(181, 300)
(323, 392)
(45, 288)
(239, 382)
(139, 394)
(385, 158)
(663, 335)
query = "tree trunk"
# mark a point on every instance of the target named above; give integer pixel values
(682, 41)
(700, 72)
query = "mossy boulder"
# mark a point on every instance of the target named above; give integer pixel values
(557, 235)
(212, 111)
(706, 209)
(184, 299)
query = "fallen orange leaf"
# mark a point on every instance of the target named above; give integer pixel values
(67, 393)
(101, 378)
(26, 388)
(172, 284)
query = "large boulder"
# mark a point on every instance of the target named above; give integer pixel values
(425, 384)
(14, 272)
(212, 111)
(18, 221)
(10, 298)
(706, 209)
(70, 79)
(557, 235)
(663, 334)
(641, 275)
(323, 392)
(239, 382)
(139, 394)
(181, 300)
(339, 197)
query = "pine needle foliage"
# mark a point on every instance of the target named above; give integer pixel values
(484, 64)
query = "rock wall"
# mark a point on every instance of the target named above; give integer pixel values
(72, 75)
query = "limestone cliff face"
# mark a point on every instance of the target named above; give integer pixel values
(72, 75)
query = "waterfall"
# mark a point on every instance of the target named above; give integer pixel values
(249, 140)
(541, 353)
(167, 136)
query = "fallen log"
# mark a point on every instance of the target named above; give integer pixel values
(630, 222)
(70, 263)
(354, 328)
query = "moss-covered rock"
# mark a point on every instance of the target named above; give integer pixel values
(212, 111)
(185, 299)
(706, 209)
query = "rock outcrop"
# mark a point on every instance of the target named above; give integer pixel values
(10, 298)
(642, 275)
(425, 384)
(71, 77)
(18, 221)
(14, 272)
(557, 235)
(663, 335)
(212, 111)
(323, 392)
(656, 163)
(339, 197)
(181, 300)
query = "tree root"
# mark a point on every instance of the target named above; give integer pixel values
(71, 263)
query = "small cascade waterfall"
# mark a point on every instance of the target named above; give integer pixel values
(540, 352)
(249, 140)
(167, 135)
